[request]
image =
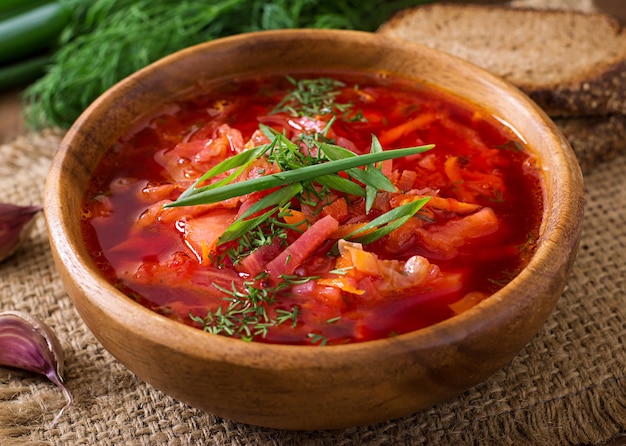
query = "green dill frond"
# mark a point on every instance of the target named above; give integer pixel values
(107, 40)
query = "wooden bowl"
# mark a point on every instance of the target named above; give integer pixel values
(301, 387)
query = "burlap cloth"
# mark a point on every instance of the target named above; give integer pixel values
(566, 387)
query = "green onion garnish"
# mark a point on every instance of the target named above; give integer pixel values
(211, 194)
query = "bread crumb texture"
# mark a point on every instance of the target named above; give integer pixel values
(578, 5)
(526, 46)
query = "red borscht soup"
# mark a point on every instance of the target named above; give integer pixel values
(316, 209)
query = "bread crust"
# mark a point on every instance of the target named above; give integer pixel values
(602, 93)
(594, 139)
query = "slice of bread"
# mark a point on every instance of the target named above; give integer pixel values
(571, 63)
(594, 139)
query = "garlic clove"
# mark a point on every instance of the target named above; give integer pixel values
(27, 343)
(16, 222)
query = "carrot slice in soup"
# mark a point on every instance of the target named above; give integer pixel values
(293, 256)
(201, 234)
(338, 209)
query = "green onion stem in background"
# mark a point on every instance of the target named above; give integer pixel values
(107, 40)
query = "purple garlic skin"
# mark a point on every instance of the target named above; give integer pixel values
(27, 343)
(16, 222)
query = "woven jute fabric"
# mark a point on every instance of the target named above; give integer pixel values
(566, 387)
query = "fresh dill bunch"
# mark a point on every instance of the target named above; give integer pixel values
(107, 40)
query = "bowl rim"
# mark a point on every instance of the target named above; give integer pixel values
(206, 346)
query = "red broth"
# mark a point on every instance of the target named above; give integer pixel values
(295, 279)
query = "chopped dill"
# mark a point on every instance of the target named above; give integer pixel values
(528, 244)
(497, 196)
(298, 280)
(512, 145)
(246, 314)
(506, 277)
(312, 98)
(342, 271)
(317, 339)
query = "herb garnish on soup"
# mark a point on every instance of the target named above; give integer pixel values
(316, 209)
